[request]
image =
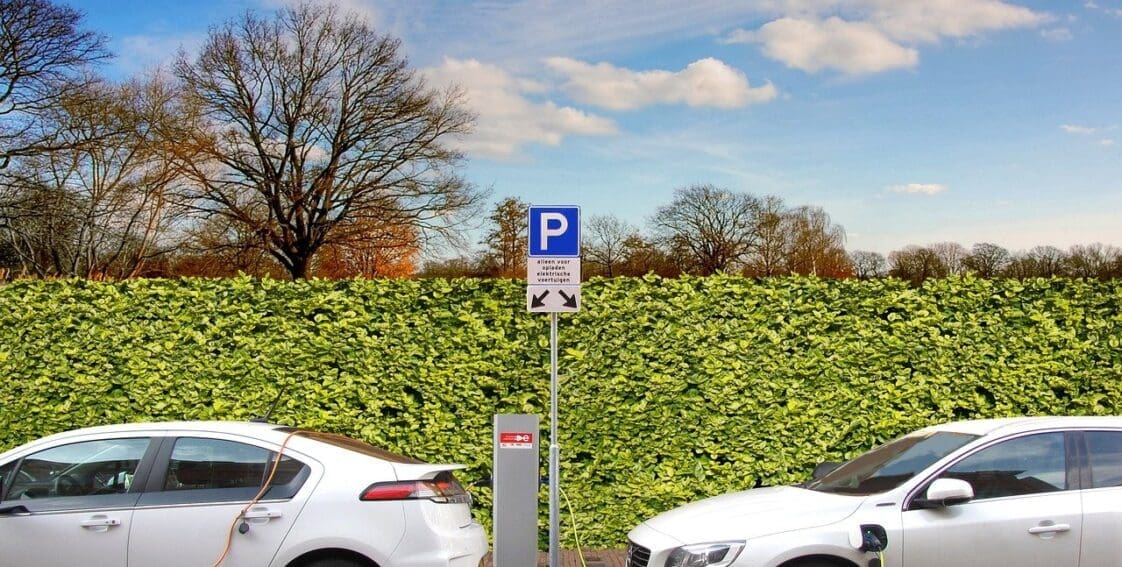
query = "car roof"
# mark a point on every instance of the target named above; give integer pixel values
(1011, 425)
(250, 428)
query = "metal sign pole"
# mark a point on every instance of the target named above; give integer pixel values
(554, 452)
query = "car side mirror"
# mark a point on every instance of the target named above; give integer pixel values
(946, 492)
(824, 469)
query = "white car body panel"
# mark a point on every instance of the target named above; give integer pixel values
(1074, 527)
(325, 513)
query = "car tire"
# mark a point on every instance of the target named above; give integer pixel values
(334, 562)
(817, 562)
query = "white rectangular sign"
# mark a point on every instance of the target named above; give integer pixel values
(553, 271)
(553, 298)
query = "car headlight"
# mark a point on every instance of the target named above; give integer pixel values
(718, 554)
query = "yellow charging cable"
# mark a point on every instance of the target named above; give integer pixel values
(576, 535)
(256, 499)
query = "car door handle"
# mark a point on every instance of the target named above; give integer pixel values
(261, 513)
(1049, 529)
(104, 522)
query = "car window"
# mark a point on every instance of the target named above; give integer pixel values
(89, 468)
(891, 464)
(201, 464)
(1105, 454)
(1025, 465)
(6, 474)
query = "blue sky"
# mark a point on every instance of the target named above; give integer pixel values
(909, 121)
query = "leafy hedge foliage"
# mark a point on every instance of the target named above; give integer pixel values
(671, 389)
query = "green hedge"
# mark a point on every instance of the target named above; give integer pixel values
(671, 389)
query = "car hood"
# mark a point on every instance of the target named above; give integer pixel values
(754, 513)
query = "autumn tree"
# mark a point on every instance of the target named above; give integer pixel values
(714, 228)
(605, 244)
(44, 55)
(305, 126)
(378, 252)
(506, 239)
(816, 244)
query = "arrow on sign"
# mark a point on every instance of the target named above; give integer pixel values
(570, 300)
(539, 300)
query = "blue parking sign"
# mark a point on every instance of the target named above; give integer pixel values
(555, 231)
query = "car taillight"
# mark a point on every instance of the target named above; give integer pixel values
(443, 489)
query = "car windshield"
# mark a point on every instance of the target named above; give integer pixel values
(891, 464)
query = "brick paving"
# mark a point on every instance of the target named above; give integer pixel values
(570, 558)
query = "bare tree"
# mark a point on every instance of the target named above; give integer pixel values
(43, 59)
(642, 256)
(507, 239)
(953, 256)
(110, 182)
(1049, 261)
(1092, 261)
(986, 260)
(605, 240)
(916, 264)
(311, 120)
(769, 257)
(716, 227)
(868, 265)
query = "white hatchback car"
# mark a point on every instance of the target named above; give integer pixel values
(1028, 492)
(194, 494)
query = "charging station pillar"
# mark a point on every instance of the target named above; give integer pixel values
(515, 478)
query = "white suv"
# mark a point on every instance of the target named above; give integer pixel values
(193, 494)
(1027, 492)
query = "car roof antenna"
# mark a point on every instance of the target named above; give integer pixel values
(268, 414)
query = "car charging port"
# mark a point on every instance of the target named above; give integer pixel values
(874, 539)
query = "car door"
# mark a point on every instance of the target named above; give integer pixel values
(72, 504)
(1026, 511)
(189, 513)
(1102, 499)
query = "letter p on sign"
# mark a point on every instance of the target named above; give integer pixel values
(554, 231)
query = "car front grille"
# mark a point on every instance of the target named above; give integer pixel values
(637, 555)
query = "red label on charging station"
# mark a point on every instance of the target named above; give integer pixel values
(517, 440)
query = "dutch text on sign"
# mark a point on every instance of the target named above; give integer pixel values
(516, 440)
(553, 271)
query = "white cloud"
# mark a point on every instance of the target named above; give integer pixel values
(850, 47)
(706, 82)
(871, 36)
(1081, 130)
(931, 20)
(1106, 142)
(919, 188)
(507, 119)
(140, 53)
(1056, 34)
(1116, 12)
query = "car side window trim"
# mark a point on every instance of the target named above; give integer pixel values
(919, 489)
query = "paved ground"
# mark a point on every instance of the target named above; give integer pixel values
(570, 558)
